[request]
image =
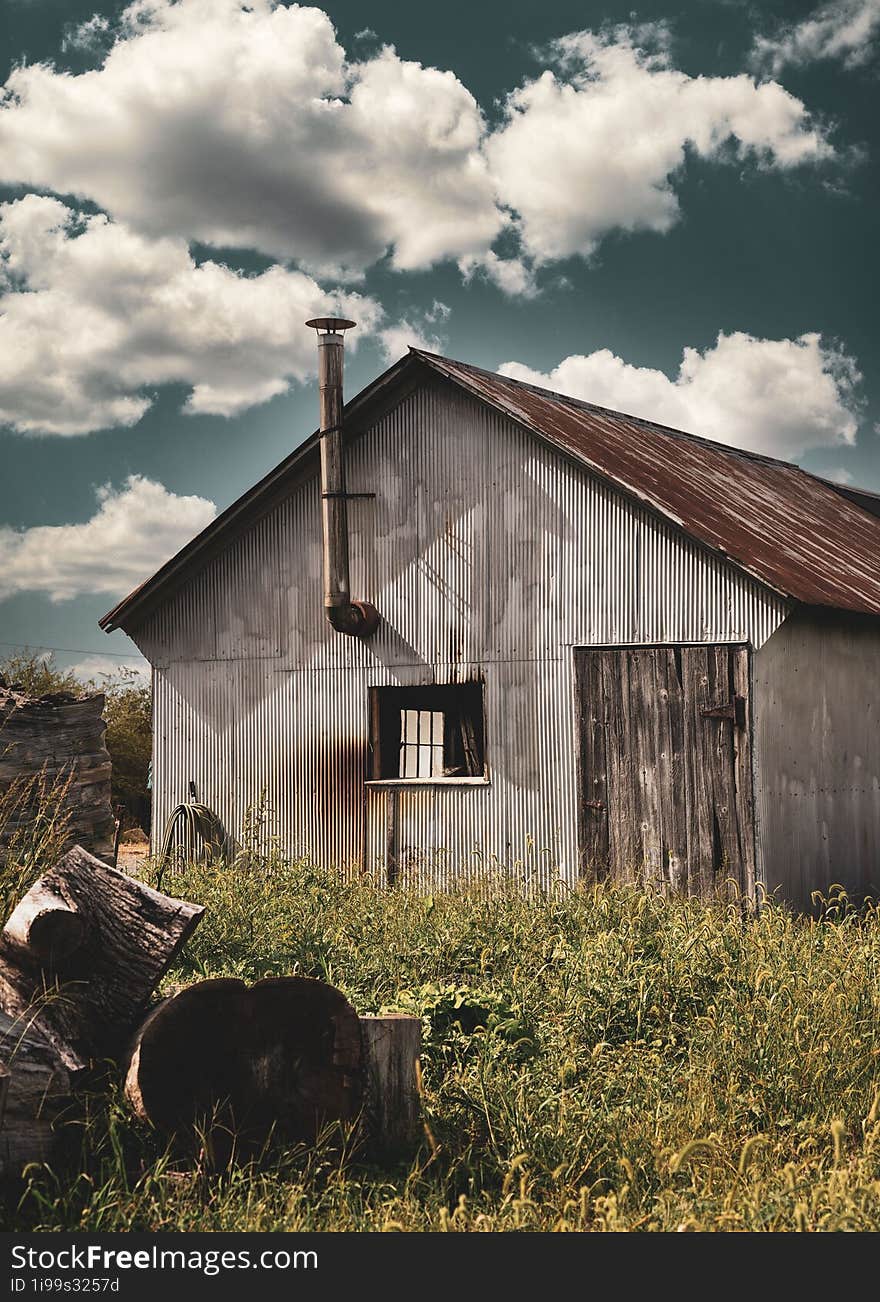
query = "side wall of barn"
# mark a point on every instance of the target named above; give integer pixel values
(487, 554)
(817, 743)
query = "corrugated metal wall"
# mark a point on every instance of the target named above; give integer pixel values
(485, 553)
(817, 722)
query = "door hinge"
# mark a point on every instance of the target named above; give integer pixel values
(735, 710)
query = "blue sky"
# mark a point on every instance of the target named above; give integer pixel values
(670, 210)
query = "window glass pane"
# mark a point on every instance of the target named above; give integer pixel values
(435, 742)
(437, 729)
(428, 732)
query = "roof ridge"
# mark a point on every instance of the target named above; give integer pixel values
(583, 405)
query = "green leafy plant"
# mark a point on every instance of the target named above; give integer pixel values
(453, 1013)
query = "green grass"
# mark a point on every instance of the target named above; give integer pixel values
(601, 1060)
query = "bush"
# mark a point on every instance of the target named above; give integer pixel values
(129, 739)
(36, 674)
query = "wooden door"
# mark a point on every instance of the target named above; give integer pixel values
(665, 778)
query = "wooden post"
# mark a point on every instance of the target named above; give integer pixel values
(392, 1103)
(392, 852)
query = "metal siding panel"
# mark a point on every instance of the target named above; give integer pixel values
(486, 552)
(244, 583)
(817, 735)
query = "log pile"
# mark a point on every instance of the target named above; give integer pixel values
(80, 957)
(62, 737)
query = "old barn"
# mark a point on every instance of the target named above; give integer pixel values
(582, 643)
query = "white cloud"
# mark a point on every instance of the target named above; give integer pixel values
(134, 530)
(90, 35)
(95, 315)
(414, 331)
(843, 29)
(513, 276)
(776, 396)
(593, 144)
(246, 125)
(243, 125)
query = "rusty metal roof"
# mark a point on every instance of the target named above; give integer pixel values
(804, 537)
(808, 539)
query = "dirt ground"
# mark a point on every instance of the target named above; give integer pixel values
(133, 850)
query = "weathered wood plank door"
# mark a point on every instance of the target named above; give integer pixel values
(665, 776)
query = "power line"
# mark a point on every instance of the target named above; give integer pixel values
(74, 651)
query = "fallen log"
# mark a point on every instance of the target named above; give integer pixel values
(82, 953)
(37, 1081)
(37, 1090)
(282, 1056)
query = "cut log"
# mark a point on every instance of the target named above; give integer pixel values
(392, 1102)
(24, 1140)
(281, 1056)
(46, 924)
(38, 1082)
(38, 1090)
(56, 742)
(84, 1003)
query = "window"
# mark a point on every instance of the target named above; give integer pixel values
(428, 734)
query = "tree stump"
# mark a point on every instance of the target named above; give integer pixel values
(283, 1055)
(82, 953)
(392, 1107)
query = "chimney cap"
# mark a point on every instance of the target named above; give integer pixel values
(330, 325)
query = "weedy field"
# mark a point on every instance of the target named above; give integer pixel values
(600, 1060)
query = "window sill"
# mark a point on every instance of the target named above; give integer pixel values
(429, 782)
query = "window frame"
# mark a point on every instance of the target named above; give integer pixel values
(386, 705)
